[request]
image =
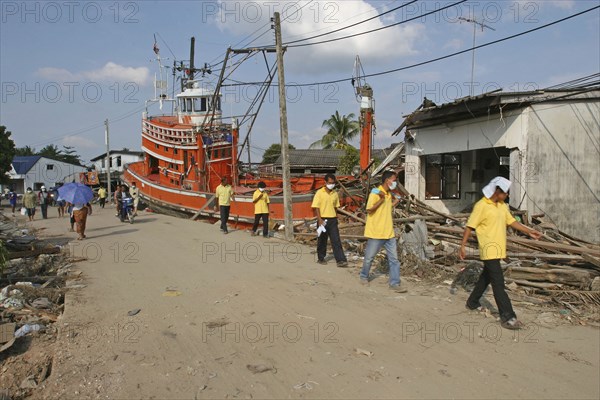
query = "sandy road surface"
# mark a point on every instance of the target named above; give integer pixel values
(214, 307)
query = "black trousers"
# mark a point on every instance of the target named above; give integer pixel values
(331, 232)
(102, 201)
(265, 220)
(224, 210)
(44, 208)
(492, 273)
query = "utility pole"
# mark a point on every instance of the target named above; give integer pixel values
(285, 159)
(107, 160)
(475, 24)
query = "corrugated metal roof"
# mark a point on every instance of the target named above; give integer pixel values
(314, 157)
(326, 158)
(22, 164)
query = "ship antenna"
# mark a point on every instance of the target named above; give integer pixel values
(159, 85)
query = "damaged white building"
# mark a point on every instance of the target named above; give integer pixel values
(547, 142)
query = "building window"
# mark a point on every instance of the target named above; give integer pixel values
(156, 146)
(174, 151)
(118, 161)
(442, 176)
(166, 149)
(49, 167)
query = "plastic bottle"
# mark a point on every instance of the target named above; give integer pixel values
(25, 329)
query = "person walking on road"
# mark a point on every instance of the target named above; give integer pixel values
(261, 201)
(489, 220)
(224, 195)
(12, 199)
(80, 214)
(30, 202)
(325, 204)
(44, 200)
(102, 195)
(379, 230)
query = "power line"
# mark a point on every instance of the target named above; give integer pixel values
(258, 37)
(352, 25)
(88, 129)
(434, 59)
(381, 28)
(357, 15)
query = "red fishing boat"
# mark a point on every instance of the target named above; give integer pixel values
(189, 150)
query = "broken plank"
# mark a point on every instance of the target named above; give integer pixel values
(208, 202)
(33, 253)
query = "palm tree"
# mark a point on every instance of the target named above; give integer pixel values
(340, 130)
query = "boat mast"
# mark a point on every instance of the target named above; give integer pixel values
(364, 94)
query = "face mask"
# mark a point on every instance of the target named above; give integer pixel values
(261, 189)
(29, 191)
(330, 186)
(393, 185)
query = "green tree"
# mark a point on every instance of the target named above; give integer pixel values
(7, 153)
(273, 152)
(349, 160)
(25, 151)
(341, 129)
(50, 151)
(67, 154)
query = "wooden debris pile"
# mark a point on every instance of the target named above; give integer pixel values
(33, 281)
(559, 265)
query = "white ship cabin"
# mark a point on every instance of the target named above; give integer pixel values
(195, 103)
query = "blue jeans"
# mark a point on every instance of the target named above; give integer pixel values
(391, 248)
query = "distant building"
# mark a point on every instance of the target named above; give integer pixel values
(319, 161)
(38, 171)
(546, 142)
(118, 159)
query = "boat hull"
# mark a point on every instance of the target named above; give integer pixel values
(180, 202)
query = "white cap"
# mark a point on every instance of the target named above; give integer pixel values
(43, 187)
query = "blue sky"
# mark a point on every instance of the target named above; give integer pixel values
(65, 67)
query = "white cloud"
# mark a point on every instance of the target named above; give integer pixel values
(110, 72)
(338, 56)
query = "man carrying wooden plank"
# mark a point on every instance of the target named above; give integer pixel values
(489, 219)
(326, 203)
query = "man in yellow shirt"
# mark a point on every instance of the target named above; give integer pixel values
(261, 201)
(224, 194)
(489, 219)
(102, 195)
(380, 231)
(325, 203)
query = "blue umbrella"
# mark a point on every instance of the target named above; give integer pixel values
(76, 193)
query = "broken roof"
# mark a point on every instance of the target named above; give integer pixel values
(492, 103)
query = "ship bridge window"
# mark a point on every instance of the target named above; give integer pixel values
(188, 103)
(182, 104)
(200, 104)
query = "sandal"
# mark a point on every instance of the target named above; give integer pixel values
(512, 324)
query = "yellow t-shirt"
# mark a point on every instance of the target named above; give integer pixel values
(490, 220)
(380, 224)
(102, 193)
(326, 202)
(262, 205)
(224, 194)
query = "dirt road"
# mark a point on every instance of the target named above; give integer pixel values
(231, 316)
